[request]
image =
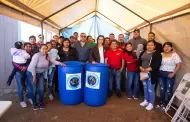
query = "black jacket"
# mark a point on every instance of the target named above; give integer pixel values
(71, 56)
(95, 55)
(155, 65)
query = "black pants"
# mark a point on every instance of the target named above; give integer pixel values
(56, 80)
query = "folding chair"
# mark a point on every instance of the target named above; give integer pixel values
(184, 109)
(179, 94)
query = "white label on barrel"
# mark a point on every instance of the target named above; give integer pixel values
(92, 80)
(73, 81)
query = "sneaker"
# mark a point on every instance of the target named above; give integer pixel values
(51, 97)
(144, 103)
(41, 106)
(149, 107)
(23, 104)
(119, 95)
(129, 98)
(135, 98)
(30, 101)
(35, 107)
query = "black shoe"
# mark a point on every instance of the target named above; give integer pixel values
(41, 107)
(119, 95)
(35, 107)
(8, 83)
(110, 94)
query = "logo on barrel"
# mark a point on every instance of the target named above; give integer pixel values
(73, 81)
(93, 80)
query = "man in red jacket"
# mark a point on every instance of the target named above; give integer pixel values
(114, 57)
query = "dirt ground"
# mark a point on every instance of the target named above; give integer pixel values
(116, 110)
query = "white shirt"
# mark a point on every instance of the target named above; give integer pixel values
(101, 52)
(19, 56)
(169, 63)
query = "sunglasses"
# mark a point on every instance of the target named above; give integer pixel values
(83, 36)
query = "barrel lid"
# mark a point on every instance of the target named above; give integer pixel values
(73, 63)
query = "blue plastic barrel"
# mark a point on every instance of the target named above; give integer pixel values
(96, 84)
(71, 83)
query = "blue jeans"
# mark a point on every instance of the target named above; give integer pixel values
(19, 80)
(123, 80)
(50, 81)
(114, 76)
(149, 90)
(39, 85)
(133, 77)
(166, 85)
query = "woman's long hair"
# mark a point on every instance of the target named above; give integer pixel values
(46, 47)
(103, 39)
(130, 53)
(66, 39)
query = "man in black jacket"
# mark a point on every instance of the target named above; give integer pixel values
(151, 37)
(83, 48)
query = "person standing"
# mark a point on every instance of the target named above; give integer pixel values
(35, 75)
(60, 43)
(83, 48)
(137, 39)
(149, 63)
(121, 42)
(76, 35)
(91, 41)
(40, 40)
(112, 37)
(121, 45)
(32, 41)
(97, 52)
(20, 58)
(56, 39)
(67, 53)
(133, 73)
(171, 63)
(151, 37)
(107, 43)
(114, 58)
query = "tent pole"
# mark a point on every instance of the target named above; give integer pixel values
(150, 27)
(42, 27)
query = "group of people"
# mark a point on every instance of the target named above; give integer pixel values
(148, 61)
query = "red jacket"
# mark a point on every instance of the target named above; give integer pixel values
(131, 62)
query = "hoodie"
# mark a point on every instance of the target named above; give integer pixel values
(20, 56)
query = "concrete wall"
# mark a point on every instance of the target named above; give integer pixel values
(8, 35)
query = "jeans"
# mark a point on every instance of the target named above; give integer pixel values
(19, 80)
(133, 77)
(166, 85)
(149, 90)
(11, 76)
(114, 76)
(123, 80)
(39, 85)
(50, 81)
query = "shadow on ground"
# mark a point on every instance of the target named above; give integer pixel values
(116, 110)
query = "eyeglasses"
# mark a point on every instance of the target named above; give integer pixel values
(83, 36)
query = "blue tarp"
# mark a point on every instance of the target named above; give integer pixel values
(94, 27)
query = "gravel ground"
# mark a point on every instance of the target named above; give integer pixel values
(116, 110)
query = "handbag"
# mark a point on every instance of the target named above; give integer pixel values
(144, 75)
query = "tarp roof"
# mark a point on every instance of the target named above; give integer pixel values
(126, 14)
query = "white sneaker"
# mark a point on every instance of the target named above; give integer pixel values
(51, 97)
(23, 104)
(149, 107)
(144, 103)
(30, 101)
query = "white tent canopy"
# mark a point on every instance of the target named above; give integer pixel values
(124, 14)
